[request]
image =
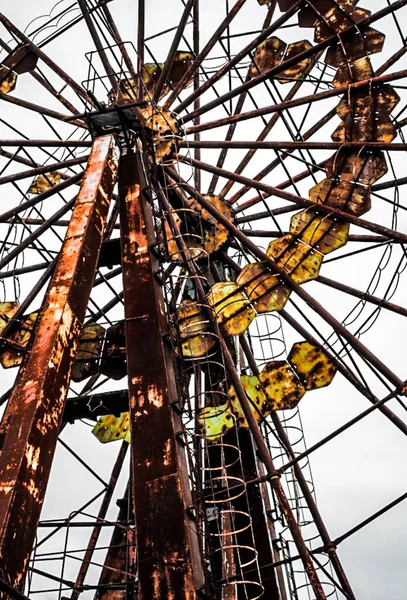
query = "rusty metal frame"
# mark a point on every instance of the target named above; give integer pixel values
(139, 321)
(288, 103)
(60, 72)
(274, 476)
(169, 559)
(30, 424)
(285, 64)
(302, 202)
(336, 325)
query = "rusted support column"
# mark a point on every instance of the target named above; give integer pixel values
(30, 425)
(229, 592)
(273, 535)
(169, 560)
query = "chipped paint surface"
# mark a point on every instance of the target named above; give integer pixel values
(167, 452)
(111, 429)
(32, 488)
(214, 422)
(314, 368)
(166, 538)
(32, 454)
(11, 356)
(264, 290)
(273, 51)
(155, 395)
(193, 330)
(232, 309)
(30, 434)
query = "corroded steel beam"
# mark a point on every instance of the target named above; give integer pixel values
(47, 143)
(169, 561)
(288, 104)
(285, 64)
(30, 425)
(200, 57)
(300, 145)
(173, 49)
(197, 101)
(42, 110)
(259, 516)
(98, 44)
(43, 170)
(140, 45)
(25, 161)
(10, 214)
(298, 200)
(116, 34)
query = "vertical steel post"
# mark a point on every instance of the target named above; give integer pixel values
(30, 426)
(169, 559)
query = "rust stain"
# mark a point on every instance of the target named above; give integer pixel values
(30, 435)
(159, 472)
(232, 309)
(264, 290)
(155, 395)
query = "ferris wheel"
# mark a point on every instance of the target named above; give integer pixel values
(203, 239)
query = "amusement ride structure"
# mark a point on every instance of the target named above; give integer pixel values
(201, 232)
